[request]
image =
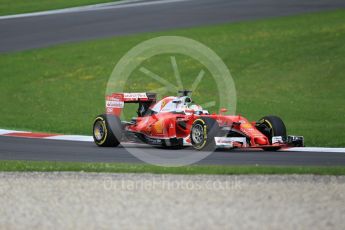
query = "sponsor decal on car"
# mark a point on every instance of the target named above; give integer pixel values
(223, 141)
(114, 104)
(277, 139)
(229, 141)
(134, 96)
(247, 125)
(153, 141)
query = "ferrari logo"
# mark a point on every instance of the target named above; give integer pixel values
(164, 102)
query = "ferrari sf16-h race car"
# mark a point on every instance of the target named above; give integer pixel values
(176, 122)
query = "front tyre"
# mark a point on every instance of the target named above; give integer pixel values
(272, 126)
(103, 130)
(203, 132)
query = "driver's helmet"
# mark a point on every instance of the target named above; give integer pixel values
(196, 108)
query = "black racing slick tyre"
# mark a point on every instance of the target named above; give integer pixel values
(107, 130)
(203, 132)
(272, 126)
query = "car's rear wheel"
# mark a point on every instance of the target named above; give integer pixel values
(272, 126)
(203, 132)
(107, 131)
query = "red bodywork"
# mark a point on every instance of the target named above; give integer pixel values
(170, 125)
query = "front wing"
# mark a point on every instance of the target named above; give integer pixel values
(241, 142)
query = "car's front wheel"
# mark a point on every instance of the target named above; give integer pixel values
(272, 126)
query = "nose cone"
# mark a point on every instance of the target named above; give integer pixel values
(261, 141)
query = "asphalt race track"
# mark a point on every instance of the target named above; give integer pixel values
(13, 148)
(21, 33)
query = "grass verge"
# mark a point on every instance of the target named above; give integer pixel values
(8, 7)
(32, 166)
(291, 67)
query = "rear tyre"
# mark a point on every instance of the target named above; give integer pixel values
(272, 126)
(107, 131)
(203, 132)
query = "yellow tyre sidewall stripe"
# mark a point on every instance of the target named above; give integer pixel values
(205, 133)
(104, 128)
(270, 125)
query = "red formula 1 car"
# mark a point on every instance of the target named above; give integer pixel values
(176, 122)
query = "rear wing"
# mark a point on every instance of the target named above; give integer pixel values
(115, 102)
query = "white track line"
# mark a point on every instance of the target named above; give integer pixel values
(71, 138)
(315, 149)
(102, 6)
(6, 131)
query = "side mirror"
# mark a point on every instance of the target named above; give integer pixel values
(223, 110)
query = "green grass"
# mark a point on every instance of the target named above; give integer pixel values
(292, 67)
(8, 7)
(32, 166)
